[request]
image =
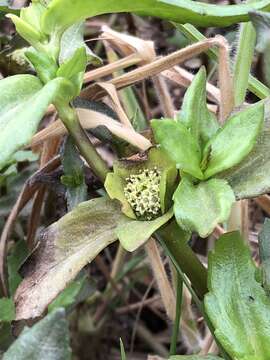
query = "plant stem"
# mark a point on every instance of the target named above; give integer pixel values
(176, 325)
(175, 240)
(70, 119)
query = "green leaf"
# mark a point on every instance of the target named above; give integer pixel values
(6, 337)
(7, 310)
(15, 259)
(73, 39)
(46, 340)
(264, 250)
(26, 31)
(195, 114)
(74, 65)
(73, 177)
(25, 155)
(235, 140)
(65, 248)
(179, 144)
(194, 357)
(237, 304)
(44, 65)
(201, 207)
(122, 349)
(134, 234)
(73, 69)
(71, 295)
(250, 178)
(63, 13)
(23, 103)
(33, 13)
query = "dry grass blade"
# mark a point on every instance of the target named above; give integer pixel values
(162, 281)
(128, 45)
(154, 68)
(91, 119)
(135, 50)
(225, 80)
(106, 70)
(184, 78)
(111, 91)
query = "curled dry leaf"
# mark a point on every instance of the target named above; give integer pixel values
(91, 119)
(63, 250)
(128, 44)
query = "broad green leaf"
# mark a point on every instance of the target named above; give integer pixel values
(23, 102)
(134, 234)
(65, 248)
(64, 13)
(235, 140)
(179, 144)
(201, 207)
(250, 178)
(73, 177)
(7, 310)
(46, 340)
(236, 303)
(194, 357)
(264, 249)
(195, 114)
(73, 39)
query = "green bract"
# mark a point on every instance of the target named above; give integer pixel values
(201, 207)
(201, 150)
(144, 186)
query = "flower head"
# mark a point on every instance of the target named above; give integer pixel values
(142, 191)
(143, 184)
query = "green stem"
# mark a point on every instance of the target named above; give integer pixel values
(175, 240)
(176, 325)
(70, 119)
(194, 35)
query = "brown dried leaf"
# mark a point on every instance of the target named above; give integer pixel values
(63, 250)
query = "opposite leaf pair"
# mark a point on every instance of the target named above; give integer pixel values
(201, 150)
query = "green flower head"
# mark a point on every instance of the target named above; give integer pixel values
(144, 185)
